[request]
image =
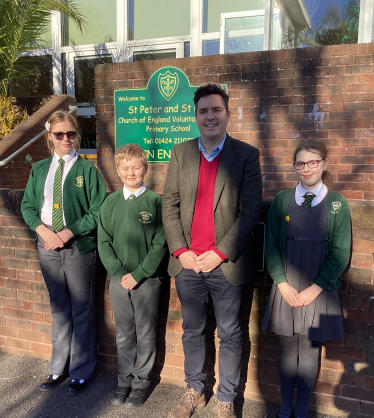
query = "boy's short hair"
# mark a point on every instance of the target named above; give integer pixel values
(128, 151)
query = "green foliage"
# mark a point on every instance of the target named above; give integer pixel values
(336, 27)
(10, 115)
(22, 22)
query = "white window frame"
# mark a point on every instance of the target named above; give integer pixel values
(268, 24)
(158, 44)
(365, 28)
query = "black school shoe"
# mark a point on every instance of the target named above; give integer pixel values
(136, 398)
(120, 395)
(75, 387)
(51, 384)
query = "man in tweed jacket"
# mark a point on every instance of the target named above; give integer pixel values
(211, 205)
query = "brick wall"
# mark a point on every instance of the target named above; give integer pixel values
(16, 173)
(277, 98)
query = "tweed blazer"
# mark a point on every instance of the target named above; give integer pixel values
(237, 204)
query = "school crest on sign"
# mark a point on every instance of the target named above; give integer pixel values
(79, 181)
(168, 84)
(145, 217)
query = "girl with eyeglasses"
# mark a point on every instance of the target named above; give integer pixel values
(61, 203)
(307, 248)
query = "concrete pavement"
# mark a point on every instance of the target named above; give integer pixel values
(20, 397)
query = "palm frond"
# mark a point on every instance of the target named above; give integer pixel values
(331, 16)
(22, 23)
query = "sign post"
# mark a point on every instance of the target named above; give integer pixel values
(157, 117)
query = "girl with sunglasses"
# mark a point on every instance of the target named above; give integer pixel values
(61, 203)
(307, 248)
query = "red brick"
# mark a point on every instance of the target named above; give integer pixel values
(8, 331)
(8, 312)
(31, 336)
(17, 284)
(17, 303)
(24, 345)
(41, 348)
(5, 272)
(357, 393)
(18, 324)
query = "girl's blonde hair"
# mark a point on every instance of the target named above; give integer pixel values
(313, 145)
(61, 116)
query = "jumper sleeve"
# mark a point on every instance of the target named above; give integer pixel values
(249, 211)
(107, 253)
(157, 251)
(96, 194)
(177, 253)
(29, 207)
(273, 252)
(340, 248)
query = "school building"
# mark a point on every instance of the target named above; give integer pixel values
(133, 30)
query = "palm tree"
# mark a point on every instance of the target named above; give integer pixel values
(336, 27)
(22, 22)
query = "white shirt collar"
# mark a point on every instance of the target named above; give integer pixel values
(127, 193)
(67, 158)
(318, 191)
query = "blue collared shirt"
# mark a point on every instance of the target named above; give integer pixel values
(210, 157)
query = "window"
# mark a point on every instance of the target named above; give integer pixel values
(37, 79)
(154, 55)
(158, 19)
(84, 78)
(212, 10)
(87, 129)
(211, 47)
(101, 19)
(243, 34)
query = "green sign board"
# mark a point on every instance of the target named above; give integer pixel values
(158, 117)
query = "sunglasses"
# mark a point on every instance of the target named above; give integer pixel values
(60, 135)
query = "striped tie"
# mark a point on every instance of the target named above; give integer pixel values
(307, 200)
(57, 221)
(132, 196)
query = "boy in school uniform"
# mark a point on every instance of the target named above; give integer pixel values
(131, 242)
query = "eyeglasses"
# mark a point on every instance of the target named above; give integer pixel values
(60, 135)
(311, 164)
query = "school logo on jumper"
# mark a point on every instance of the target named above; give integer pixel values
(168, 84)
(335, 207)
(79, 181)
(145, 217)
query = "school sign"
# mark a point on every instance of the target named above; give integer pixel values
(157, 117)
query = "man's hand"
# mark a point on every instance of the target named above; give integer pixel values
(310, 294)
(52, 240)
(290, 294)
(208, 261)
(188, 260)
(128, 282)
